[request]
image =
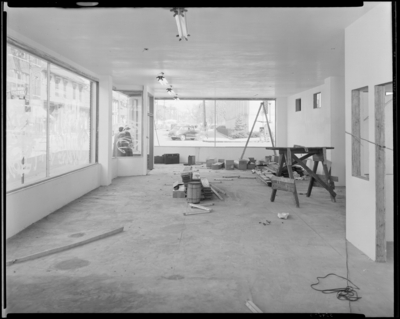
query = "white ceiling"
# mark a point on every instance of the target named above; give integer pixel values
(232, 52)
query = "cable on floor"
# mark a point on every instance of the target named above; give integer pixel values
(346, 293)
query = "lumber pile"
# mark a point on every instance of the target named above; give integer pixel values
(206, 188)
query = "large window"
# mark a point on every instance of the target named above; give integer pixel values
(48, 131)
(219, 123)
(126, 125)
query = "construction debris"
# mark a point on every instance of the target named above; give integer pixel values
(218, 189)
(217, 165)
(216, 193)
(283, 215)
(200, 207)
(62, 248)
(206, 188)
(253, 307)
(231, 176)
(192, 212)
(223, 179)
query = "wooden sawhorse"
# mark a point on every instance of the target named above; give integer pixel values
(288, 155)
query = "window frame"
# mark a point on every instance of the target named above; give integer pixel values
(214, 125)
(93, 109)
(315, 105)
(298, 105)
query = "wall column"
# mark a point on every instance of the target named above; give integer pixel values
(104, 129)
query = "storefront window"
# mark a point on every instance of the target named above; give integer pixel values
(221, 123)
(44, 138)
(126, 125)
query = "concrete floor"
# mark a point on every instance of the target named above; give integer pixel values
(167, 262)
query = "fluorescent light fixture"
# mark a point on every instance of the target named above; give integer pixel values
(181, 22)
(389, 93)
(87, 4)
(170, 91)
(162, 79)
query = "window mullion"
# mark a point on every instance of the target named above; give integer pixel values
(48, 123)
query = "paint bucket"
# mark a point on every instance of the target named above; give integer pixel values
(209, 162)
(192, 160)
(193, 192)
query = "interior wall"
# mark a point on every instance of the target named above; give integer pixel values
(28, 205)
(281, 121)
(368, 62)
(203, 153)
(114, 165)
(320, 126)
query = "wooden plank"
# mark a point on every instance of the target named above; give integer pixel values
(218, 189)
(323, 177)
(66, 247)
(200, 207)
(315, 176)
(312, 179)
(216, 193)
(223, 179)
(328, 178)
(319, 157)
(283, 183)
(193, 212)
(356, 131)
(247, 177)
(253, 307)
(279, 173)
(290, 171)
(204, 182)
(231, 176)
(380, 235)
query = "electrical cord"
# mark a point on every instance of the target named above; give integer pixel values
(347, 293)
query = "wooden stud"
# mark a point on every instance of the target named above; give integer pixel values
(356, 131)
(218, 189)
(216, 193)
(380, 251)
(59, 249)
(200, 207)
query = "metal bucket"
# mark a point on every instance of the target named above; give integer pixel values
(193, 192)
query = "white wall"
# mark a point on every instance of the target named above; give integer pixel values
(321, 126)
(114, 165)
(281, 122)
(368, 62)
(204, 153)
(28, 205)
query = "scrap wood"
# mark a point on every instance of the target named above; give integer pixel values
(223, 179)
(195, 212)
(253, 307)
(231, 176)
(215, 182)
(216, 193)
(59, 249)
(248, 177)
(207, 204)
(218, 189)
(200, 207)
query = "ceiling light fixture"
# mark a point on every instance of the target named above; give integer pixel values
(170, 91)
(162, 79)
(87, 4)
(181, 22)
(389, 93)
